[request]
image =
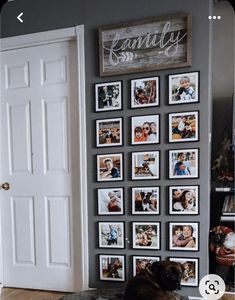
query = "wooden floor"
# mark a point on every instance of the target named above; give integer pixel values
(23, 294)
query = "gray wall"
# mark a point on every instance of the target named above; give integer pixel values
(223, 70)
(54, 14)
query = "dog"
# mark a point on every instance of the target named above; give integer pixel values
(156, 283)
(144, 169)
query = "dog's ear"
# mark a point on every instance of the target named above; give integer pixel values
(154, 267)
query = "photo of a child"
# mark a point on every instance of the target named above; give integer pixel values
(144, 92)
(190, 270)
(183, 236)
(183, 127)
(145, 129)
(184, 88)
(183, 163)
(183, 200)
(110, 201)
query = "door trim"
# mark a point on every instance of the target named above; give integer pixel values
(73, 33)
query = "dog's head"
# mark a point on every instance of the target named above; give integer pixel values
(168, 274)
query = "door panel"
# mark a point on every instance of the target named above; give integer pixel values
(39, 118)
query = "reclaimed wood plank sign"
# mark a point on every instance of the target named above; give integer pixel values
(155, 44)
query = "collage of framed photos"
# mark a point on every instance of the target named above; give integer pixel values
(183, 163)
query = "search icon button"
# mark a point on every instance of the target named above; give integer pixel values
(212, 287)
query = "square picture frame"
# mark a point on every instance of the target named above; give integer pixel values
(184, 163)
(190, 266)
(145, 165)
(111, 234)
(183, 127)
(146, 235)
(145, 92)
(145, 200)
(141, 263)
(183, 88)
(184, 199)
(108, 96)
(109, 167)
(145, 129)
(184, 236)
(110, 201)
(112, 267)
(109, 132)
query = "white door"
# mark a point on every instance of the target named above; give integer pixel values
(39, 144)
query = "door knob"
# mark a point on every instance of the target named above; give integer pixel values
(5, 186)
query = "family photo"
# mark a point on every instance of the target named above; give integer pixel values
(142, 263)
(146, 235)
(183, 236)
(190, 270)
(108, 96)
(183, 127)
(145, 92)
(111, 234)
(112, 267)
(183, 163)
(145, 200)
(110, 201)
(109, 132)
(145, 130)
(109, 167)
(145, 165)
(183, 200)
(184, 88)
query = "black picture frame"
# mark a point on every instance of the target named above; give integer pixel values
(116, 174)
(183, 163)
(145, 92)
(180, 241)
(110, 204)
(140, 165)
(183, 93)
(179, 203)
(109, 132)
(138, 126)
(108, 96)
(182, 127)
(111, 234)
(153, 239)
(147, 259)
(149, 200)
(190, 266)
(106, 270)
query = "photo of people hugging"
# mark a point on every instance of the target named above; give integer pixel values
(184, 236)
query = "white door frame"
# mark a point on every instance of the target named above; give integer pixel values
(73, 33)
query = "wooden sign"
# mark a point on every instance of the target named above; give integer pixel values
(156, 44)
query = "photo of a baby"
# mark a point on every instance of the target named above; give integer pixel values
(110, 201)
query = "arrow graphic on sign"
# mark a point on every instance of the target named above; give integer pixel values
(19, 17)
